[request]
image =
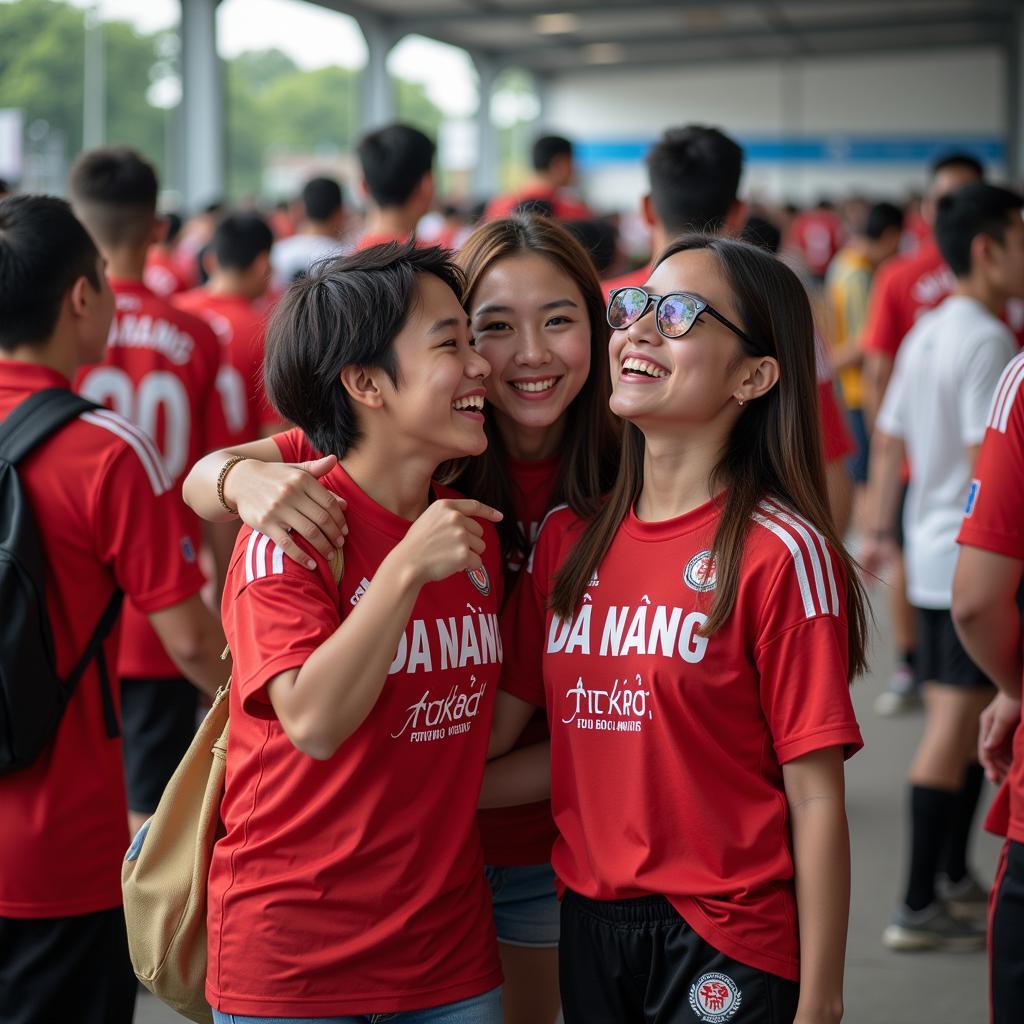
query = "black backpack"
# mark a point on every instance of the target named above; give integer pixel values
(32, 695)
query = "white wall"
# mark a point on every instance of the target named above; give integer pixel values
(949, 95)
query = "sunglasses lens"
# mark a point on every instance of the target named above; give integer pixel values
(626, 307)
(676, 314)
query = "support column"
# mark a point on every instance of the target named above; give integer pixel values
(94, 112)
(202, 105)
(376, 92)
(485, 174)
(1015, 101)
(542, 85)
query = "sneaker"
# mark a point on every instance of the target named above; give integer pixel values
(901, 696)
(933, 928)
(966, 900)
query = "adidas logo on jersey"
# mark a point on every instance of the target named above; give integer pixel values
(360, 591)
(594, 581)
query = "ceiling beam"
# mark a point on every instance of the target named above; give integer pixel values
(810, 34)
(635, 60)
(426, 22)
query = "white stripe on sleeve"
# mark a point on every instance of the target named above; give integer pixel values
(798, 561)
(249, 575)
(139, 443)
(261, 556)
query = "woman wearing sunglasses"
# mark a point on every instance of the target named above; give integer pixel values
(693, 645)
(537, 316)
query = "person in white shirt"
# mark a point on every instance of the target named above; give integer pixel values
(319, 234)
(934, 413)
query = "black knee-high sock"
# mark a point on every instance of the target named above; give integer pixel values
(961, 818)
(930, 811)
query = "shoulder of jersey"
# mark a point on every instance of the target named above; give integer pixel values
(554, 527)
(119, 434)
(1007, 395)
(257, 557)
(797, 554)
(186, 320)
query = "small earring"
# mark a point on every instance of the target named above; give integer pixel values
(739, 401)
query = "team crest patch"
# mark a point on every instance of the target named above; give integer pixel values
(714, 998)
(480, 580)
(700, 573)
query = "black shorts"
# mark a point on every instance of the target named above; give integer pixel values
(158, 719)
(939, 656)
(637, 961)
(57, 969)
(1006, 937)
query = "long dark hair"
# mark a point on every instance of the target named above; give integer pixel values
(590, 445)
(774, 450)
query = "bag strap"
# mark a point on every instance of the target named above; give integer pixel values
(34, 420)
(94, 649)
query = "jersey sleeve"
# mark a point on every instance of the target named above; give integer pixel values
(979, 376)
(993, 520)
(883, 325)
(524, 625)
(143, 531)
(294, 446)
(801, 649)
(276, 614)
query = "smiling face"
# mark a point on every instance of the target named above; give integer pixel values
(437, 405)
(689, 381)
(531, 324)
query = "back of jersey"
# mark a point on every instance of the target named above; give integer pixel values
(159, 372)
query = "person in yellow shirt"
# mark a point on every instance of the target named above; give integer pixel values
(847, 286)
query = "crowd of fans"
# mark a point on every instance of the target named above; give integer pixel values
(214, 346)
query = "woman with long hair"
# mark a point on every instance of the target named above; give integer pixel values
(693, 644)
(537, 315)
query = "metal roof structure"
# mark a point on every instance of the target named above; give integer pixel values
(553, 37)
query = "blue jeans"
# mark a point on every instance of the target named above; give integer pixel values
(482, 1009)
(526, 911)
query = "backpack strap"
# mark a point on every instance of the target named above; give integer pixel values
(94, 649)
(41, 415)
(34, 420)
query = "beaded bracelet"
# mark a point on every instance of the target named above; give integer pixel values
(222, 476)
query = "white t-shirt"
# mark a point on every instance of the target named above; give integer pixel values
(938, 402)
(295, 255)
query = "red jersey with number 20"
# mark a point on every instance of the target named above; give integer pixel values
(355, 885)
(666, 746)
(159, 372)
(994, 521)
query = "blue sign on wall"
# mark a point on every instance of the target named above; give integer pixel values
(822, 149)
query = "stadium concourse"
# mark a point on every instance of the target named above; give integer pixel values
(881, 987)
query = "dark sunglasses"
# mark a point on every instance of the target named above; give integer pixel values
(674, 314)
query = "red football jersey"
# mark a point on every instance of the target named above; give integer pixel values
(162, 274)
(993, 522)
(107, 517)
(160, 372)
(564, 206)
(817, 235)
(908, 285)
(524, 835)
(666, 746)
(240, 328)
(355, 885)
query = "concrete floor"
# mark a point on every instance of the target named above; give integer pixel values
(881, 987)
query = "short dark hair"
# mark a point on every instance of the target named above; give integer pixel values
(695, 178)
(5, 187)
(44, 250)
(973, 209)
(548, 148)
(114, 192)
(880, 218)
(321, 199)
(239, 238)
(345, 312)
(395, 160)
(763, 233)
(957, 158)
(599, 238)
